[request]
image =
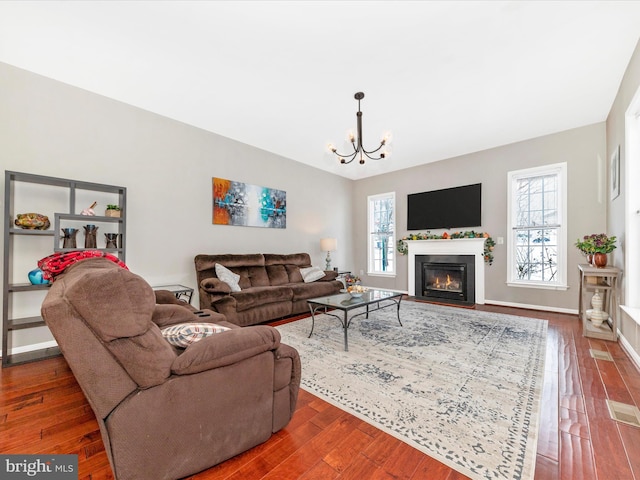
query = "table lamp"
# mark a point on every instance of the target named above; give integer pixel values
(328, 245)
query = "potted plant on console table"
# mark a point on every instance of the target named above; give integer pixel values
(595, 247)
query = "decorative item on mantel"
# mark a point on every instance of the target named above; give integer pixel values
(595, 247)
(112, 211)
(489, 243)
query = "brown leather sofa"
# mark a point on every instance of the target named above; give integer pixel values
(166, 412)
(271, 286)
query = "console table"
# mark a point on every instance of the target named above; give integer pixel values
(603, 281)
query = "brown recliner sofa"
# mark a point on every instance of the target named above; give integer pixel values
(166, 412)
(271, 286)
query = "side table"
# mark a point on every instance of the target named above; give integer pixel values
(604, 282)
(180, 291)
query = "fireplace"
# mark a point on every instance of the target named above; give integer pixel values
(445, 278)
(448, 247)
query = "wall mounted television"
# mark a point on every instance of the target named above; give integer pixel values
(448, 208)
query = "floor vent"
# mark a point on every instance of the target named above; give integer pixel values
(600, 355)
(621, 412)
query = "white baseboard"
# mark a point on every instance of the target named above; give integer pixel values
(31, 348)
(543, 308)
(626, 346)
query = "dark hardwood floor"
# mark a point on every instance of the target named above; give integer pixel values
(42, 410)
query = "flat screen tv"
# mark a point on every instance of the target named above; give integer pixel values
(448, 208)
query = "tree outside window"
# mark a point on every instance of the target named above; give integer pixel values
(381, 225)
(536, 211)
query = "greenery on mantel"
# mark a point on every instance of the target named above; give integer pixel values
(403, 248)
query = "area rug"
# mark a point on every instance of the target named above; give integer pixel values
(460, 385)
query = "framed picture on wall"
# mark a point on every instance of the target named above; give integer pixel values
(614, 173)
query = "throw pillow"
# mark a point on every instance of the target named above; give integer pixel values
(228, 277)
(185, 334)
(311, 274)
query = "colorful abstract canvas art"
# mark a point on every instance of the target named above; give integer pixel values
(241, 204)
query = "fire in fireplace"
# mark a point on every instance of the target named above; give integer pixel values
(446, 278)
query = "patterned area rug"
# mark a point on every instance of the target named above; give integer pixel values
(462, 386)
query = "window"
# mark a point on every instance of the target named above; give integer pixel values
(537, 216)
(382, 225)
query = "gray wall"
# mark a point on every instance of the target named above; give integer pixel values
(629, 327)
(582, 148)
(50, 128)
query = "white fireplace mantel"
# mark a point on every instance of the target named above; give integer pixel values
(452, 246)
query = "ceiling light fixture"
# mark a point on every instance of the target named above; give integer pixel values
(356, 143)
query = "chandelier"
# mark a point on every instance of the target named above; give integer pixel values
(356, 143)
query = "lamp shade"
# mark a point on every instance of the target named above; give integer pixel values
(328, 244)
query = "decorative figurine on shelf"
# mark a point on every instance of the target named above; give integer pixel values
(89, 211)
(32, 221)
(36, 277)
(112, 211)
(90, 240)
(112, 240)
(69, 237)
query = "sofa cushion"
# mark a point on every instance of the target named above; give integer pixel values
(300, 259)
(103, 294)
(257, 276)
(294, 273)
(184, 334)
(228, 277)
(232, 347)
(257, 296)
(171, 314)
(304, 291)
(277, 275)
(311, 274)
(117, 305)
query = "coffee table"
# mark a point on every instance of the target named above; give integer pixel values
(345, 302)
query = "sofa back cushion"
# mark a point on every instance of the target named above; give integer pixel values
(284, 269)
(255, 270)
(277, 275)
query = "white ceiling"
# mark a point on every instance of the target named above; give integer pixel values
(445, 77)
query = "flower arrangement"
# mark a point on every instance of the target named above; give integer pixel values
(596, 243)
(489, 243)
(351, 279)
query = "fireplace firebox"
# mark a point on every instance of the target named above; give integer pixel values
(446, 278)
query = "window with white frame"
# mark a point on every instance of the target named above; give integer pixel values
(537, 206)
(381, 228)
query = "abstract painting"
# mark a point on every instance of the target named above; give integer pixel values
(241, 204)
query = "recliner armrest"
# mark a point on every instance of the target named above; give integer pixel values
(329, 275)
(214, 285)
(226, 348)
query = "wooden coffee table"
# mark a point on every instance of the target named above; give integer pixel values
(345, 302)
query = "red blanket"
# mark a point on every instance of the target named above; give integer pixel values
(56, 264)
